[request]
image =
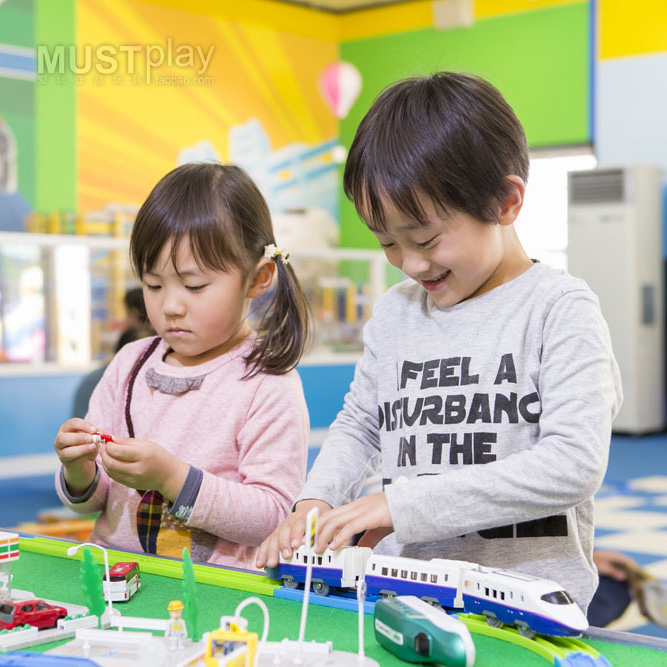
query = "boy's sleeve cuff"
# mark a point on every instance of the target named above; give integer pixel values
(187, 496)
(86, 495)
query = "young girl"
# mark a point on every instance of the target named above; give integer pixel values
(209, 422)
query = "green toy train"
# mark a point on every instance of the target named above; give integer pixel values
(416, 631)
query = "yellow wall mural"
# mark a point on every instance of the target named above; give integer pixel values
(233, 86)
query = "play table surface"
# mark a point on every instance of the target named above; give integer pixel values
(44, 569)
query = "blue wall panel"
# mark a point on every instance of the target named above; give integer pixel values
(33, 408)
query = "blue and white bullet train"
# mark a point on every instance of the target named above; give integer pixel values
(504, 597)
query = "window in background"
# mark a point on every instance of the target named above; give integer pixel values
(542, 225)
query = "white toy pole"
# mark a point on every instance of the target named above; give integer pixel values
(311, 539)
(107, 578)
(361, 598)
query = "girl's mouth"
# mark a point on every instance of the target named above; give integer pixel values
(436, 283)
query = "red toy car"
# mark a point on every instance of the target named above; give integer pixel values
(29, 612)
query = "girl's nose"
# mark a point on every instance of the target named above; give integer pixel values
(172, 304)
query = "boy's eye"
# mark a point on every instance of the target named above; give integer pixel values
(387, 245)
(426, 244)
(195, 288)
(153, 288)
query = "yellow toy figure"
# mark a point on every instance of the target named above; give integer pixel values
(176, 630)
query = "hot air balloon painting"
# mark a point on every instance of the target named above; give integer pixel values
(340, 85)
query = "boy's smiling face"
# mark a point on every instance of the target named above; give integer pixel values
(454, 256)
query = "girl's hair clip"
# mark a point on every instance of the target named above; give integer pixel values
(272, 251)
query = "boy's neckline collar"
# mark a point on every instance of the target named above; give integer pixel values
(461, 305)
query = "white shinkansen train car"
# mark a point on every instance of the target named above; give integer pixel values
(504, 597)
(531, 604)
(435, 581)
(339, 569)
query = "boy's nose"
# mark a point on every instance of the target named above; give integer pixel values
(414, 263)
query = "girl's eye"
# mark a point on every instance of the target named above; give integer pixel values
(195, 288)
(387, 245)
(153, 288)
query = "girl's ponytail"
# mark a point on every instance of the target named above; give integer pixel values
(284, 330)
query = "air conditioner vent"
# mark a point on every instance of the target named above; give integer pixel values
(602, 186)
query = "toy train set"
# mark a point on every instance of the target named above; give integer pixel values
(503, 597)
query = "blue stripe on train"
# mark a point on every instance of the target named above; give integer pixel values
(331, 576)
(508, 615)
(443, 594)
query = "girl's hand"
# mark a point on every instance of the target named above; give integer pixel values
(77, 452)
(289, 534)
(370, 513)
(142, 464)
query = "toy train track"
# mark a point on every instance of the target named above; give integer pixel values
(559, 651)
(205, 574)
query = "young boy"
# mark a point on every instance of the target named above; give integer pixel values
(487, 385)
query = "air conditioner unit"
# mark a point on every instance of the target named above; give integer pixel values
(615, 231)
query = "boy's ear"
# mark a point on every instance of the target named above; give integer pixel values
(511, 207)
(262, 278)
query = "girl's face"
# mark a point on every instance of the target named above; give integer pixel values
(200, 313)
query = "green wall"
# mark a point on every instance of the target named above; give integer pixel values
(16, 23)
(538, 59)
(17, 106)
(55, 113)
(41, 113)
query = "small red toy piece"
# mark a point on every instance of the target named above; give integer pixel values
(30, 612)
(101, 438)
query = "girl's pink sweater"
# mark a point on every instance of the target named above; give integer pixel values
(249, 437)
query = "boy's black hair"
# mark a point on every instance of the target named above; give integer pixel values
(451, 137)
(221, 213)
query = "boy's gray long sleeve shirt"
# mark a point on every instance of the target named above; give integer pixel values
(491, 419)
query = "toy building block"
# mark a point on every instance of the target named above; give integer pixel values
(9, 547)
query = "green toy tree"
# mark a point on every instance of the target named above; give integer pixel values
(191, 610)
(92, 585)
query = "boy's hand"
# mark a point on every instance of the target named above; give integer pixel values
(289, 534)
(77, 452)
(370, 513)
(142, 464)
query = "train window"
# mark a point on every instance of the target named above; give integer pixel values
(446, 577)
(373, 567)
(424, 576)
(329, 558)
(434, 578)
(478, 585)
(511, 595)
(422, 644)
(394, 572)
(413, 576)
(384, 571)
(502, 595)
(495, 593)
(319, 560)
(404, 574)
(486, 592)
(558, 597)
